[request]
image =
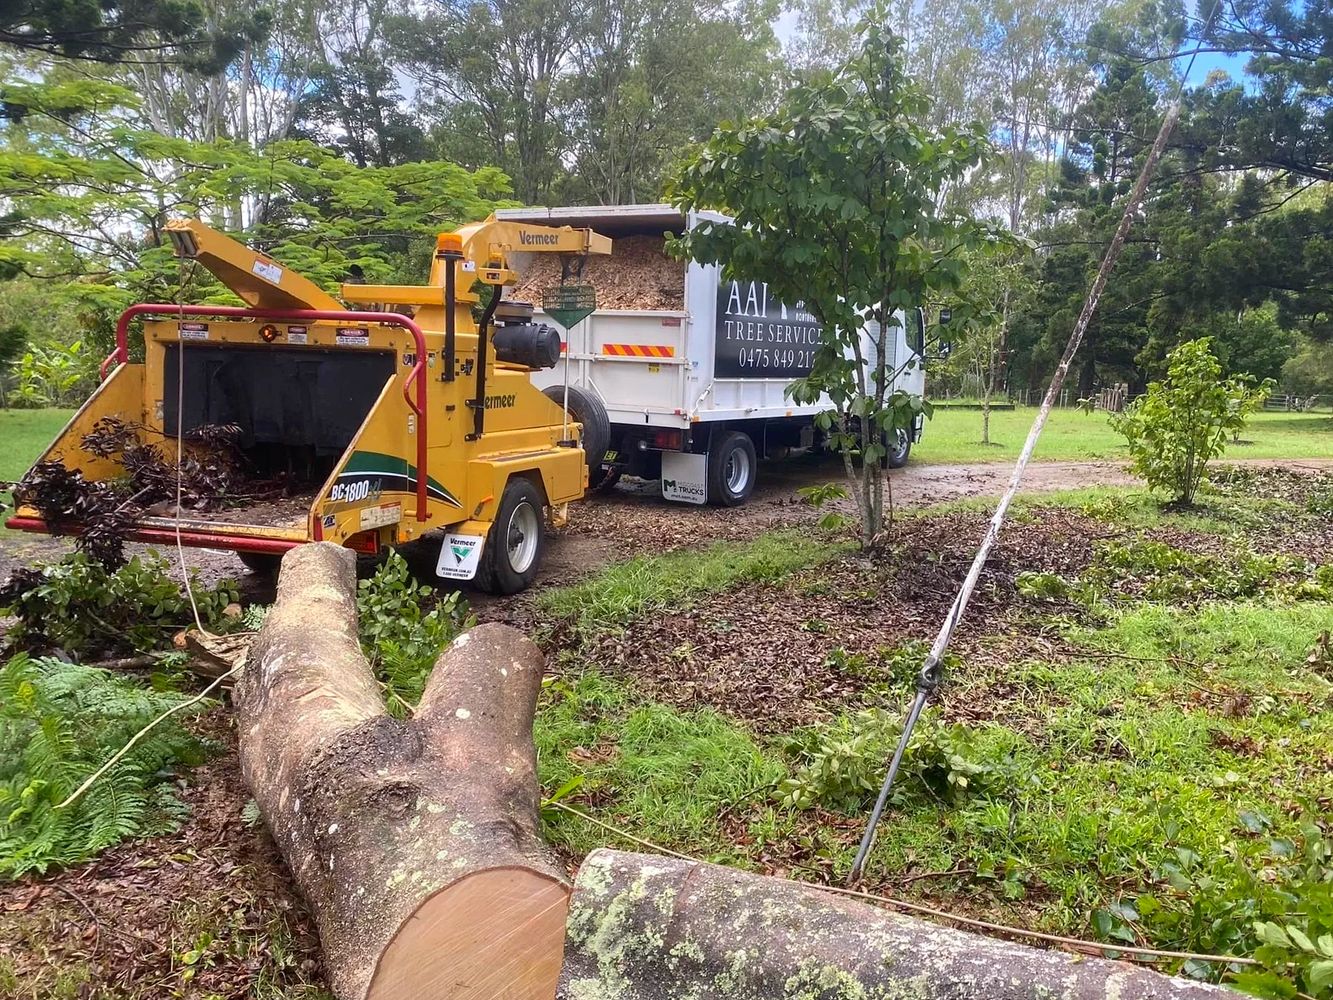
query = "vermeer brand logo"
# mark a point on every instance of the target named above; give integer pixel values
(537, 239)
(500, 402)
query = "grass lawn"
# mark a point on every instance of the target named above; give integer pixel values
(24, 435)
(953, 436)
(1133, 747)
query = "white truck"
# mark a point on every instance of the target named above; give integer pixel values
(696, 392)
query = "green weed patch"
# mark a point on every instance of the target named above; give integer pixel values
(625, 591)
(58, 723)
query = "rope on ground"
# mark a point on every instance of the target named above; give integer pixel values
(929, 677)
(180, 552)
(111, 762)
(902, 904)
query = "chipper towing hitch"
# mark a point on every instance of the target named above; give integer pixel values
(403, 413)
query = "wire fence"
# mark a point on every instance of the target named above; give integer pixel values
(1115, 398)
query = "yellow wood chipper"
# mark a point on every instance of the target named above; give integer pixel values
(403, 422)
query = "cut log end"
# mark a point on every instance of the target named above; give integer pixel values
(494, 933)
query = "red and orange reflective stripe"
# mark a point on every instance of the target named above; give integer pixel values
(639, 350)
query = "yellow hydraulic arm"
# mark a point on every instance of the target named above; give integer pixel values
(257, 278)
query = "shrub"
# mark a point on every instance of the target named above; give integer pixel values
(841, 766)
(58, 723)
(1181, 424)
(54, 375)
(79, 606)
(400, 638)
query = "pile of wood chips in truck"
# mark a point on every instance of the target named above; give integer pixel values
(637, 275)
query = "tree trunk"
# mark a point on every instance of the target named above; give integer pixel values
(416, 843)
(417, 846)
(649, 928)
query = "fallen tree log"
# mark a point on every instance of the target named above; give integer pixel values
(415, 843)
(643, 927)
(417, 846)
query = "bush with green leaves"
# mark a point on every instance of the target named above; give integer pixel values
(399, 635)
(1147, 569)
(1181, 424)
(78, 606)
(54, 375)
(1276, 908)
(59, 722)
(836, 193)
(840, 766)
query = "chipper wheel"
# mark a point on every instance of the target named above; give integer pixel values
(516, 541)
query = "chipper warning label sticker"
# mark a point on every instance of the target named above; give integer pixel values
(459, 557)
(353, 336)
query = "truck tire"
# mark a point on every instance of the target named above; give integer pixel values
(516, 541)
(732, 469)
(261, 563)
(587, 409)
(898, 450)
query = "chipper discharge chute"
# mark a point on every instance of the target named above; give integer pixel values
(410, 412)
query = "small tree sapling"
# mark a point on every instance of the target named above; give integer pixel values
(836, 203)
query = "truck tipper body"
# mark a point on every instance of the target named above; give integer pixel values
(696, 386)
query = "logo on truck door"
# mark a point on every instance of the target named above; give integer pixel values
(760, 337)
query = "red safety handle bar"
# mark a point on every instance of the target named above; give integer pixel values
(415, 378)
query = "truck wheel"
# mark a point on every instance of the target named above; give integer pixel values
(262, 563)
(516, 540)
(732, 467)
(898, 449)
(587, 409)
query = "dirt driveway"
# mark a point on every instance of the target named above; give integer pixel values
(633, 519)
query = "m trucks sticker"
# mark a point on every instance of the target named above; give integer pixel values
(760, 337)
(684, 477)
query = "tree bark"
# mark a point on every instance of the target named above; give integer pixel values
(652, 928)
(417, 846)
(416, 843)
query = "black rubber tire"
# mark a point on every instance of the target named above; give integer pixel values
(497, 574)
(720, 453)
(897, 457)
(261, 563)
(587, 409)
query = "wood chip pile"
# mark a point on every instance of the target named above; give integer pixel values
(637, 275)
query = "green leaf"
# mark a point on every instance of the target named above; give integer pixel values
(1319, 975)
(1265, 984)
(1299, 939)
(1271, 933)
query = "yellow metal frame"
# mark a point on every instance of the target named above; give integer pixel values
(370, 491)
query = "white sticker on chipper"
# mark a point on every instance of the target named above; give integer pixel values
(267, 270)
(381, 516)
(684, 477)
(459, 556)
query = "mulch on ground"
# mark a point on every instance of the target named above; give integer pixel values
(205, 911)
(787, 655)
